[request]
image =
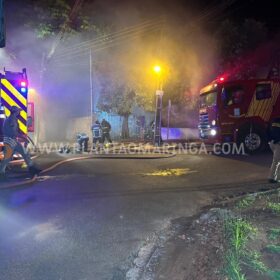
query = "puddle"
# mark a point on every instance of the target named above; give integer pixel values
(171, 172)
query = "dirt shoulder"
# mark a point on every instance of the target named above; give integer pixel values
(238, 239)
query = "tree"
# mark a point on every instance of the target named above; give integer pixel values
(133, 65)
(237, 44)
(119, 99)
(49, 17)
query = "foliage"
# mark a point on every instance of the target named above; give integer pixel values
(275, 207)
(238, 231)
(274, 234)
(275, 275)
(273, 248)
(253, 260)
(132, 64)
(48, 17)
(246, 202)
(237, 41)
(233, 269)
(117, 98)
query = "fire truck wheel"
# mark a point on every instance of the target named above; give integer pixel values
(253, 140)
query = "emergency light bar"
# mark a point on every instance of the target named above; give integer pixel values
(23, 86)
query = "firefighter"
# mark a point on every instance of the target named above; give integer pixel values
(96, 134)
(106, 128)
(2, 119)
(274, 137)
(82, 140)
(11, 144)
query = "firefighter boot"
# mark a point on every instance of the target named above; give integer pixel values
(34, 170)
(3, 176)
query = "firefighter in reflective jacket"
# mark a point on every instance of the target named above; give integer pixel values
(2, 119)
(274, 137)
(96, 134)
(11, 144)
(106, 128)
(82, 140)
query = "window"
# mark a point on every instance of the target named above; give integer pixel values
(263, 91)
(232, 95)
(208, 99)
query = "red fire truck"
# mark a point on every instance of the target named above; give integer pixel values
(14, 92)
(238, 111)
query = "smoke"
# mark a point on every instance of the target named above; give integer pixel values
(182, 43)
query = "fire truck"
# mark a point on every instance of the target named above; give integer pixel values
(14, 92)
(238, 111)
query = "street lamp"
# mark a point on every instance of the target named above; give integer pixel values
(157, 68)
(158, 111)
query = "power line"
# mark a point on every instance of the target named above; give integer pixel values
(140, 26)
(101, 42)
(106, 41)
(100, 47)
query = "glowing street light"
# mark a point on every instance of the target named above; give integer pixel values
(157, 68)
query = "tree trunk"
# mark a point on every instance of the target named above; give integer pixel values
(125, 129)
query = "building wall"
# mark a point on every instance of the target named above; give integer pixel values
(83, 124)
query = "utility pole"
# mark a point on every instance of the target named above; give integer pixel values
(159, 95)
(40, 125)
(158, 111)
(91, 88)
(168, 118)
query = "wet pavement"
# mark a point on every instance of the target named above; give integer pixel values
(88, 219)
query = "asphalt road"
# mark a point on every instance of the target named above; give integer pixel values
(87, 220)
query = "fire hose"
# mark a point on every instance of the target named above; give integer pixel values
(55, 165)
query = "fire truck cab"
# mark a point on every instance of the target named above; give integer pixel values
(238, 111)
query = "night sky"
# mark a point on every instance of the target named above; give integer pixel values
(261, 10)
(266, 11)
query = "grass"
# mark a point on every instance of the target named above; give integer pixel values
(275, 207)
(274, 234)
(273, 248)
(246, 202)
(233, 269)
(253, 260)
(238, 232)
(274, 275)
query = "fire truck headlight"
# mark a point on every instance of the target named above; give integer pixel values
(213, 122)
(213, 132)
